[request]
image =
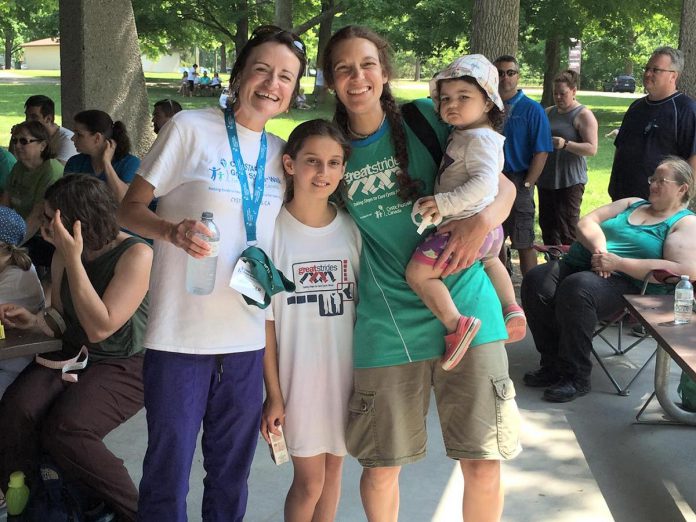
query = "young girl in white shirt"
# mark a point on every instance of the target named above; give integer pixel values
(308, 365)
(19, 284)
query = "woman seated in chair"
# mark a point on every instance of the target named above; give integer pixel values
(617, 246)
(99, 306)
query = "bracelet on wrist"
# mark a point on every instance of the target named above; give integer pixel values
(565, 144)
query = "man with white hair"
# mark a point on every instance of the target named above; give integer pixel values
(660, 124)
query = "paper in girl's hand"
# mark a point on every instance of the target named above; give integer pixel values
(422, 222)
(279, 450)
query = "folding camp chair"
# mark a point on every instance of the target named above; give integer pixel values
(621, 320)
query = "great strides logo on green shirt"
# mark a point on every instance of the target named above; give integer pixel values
(373, 178)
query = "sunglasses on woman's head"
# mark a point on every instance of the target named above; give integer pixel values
(274, 30)
(23, 141)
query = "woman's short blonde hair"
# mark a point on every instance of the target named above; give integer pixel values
(683, 173)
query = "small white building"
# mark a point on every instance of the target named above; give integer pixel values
(45, 55)
(42, 54)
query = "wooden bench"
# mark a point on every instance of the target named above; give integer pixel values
(18, 343)
(675, 342)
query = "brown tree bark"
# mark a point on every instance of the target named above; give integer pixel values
(495, 27)
(324, 36)
(687, 43)
(223, 57)
(552, 64)
(9, 43)
(241, 37)
(283, 14)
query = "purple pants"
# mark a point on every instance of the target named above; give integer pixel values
(430, 249)
(225, 394)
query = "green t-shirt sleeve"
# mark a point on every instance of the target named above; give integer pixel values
(52, 173)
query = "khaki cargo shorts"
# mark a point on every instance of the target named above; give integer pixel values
(475, 402)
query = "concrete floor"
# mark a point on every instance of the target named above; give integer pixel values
(584, 461)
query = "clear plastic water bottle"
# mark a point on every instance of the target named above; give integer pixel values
(200, 273)
(683, 300)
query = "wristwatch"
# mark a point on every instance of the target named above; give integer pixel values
(527, 184)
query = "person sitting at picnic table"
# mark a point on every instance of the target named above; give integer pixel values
(215, 82)
(204, 83)
(19, 284)
(35, 170)
(104, 151)
(617, 246)
(184, 88)
(99, 307)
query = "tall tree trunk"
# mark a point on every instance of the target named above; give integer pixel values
(283, 14)
(241, 37)
(223, 57)
(324, 36)
(495, 27)
(417, 73)
(9, 42)
(687, 43)
(552, 64)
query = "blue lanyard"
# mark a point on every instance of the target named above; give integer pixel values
(250, 205)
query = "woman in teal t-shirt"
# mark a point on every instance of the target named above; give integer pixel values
(617, 245)
(397, 339)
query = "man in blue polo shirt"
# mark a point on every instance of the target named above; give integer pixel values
(527, 145)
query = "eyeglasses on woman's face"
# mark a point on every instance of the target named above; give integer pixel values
(22, 140)
(660, 180)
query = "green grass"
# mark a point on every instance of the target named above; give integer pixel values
(609, 111)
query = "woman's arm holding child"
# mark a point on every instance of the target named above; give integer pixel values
(467, 235)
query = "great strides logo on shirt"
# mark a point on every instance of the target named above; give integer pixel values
(372, 178)
(223, 177)
(324, 283)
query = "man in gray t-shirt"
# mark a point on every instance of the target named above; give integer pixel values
(42, 109)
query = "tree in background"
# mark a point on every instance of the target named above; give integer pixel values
(687, 43)
(26, 20)
(495, 27)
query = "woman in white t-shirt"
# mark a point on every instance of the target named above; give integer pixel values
(204, 360)
(19, 284)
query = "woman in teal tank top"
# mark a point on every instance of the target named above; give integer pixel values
(617, 245)
(98, 306)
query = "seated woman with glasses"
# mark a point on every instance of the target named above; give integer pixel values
(35, 171)
(617, 246)
(104, 151)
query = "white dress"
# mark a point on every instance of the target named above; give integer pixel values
(314, 330)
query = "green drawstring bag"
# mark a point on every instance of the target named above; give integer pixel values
(687, 392)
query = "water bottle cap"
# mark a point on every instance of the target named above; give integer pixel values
(685, 278)
(17, 479)
(207, 215)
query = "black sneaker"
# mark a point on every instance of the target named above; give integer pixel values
(566, 390)
(541, 377)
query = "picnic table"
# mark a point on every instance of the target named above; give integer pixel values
(18, 343)
(674, 342)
